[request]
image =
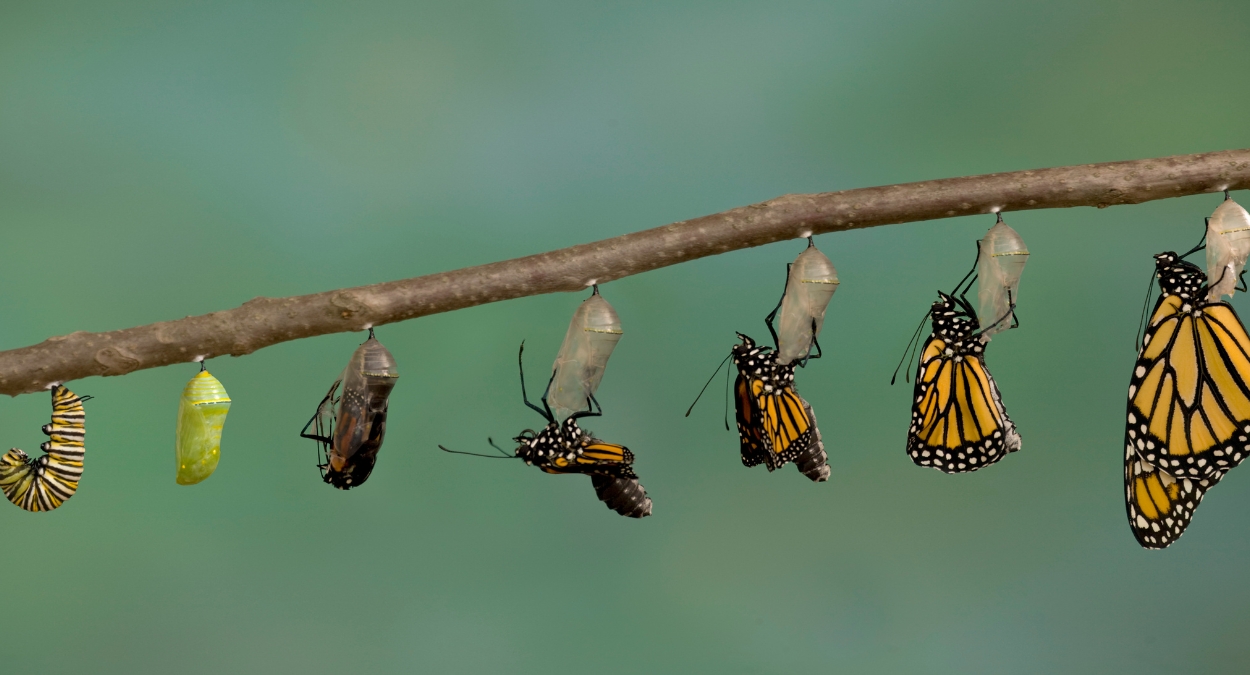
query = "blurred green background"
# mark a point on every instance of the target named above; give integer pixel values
(162, 159)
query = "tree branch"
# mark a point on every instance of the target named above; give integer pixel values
(266, 321)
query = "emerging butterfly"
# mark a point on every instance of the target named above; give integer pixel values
(1188, 420)
(958, 422)
(775, 424)
(564, 447)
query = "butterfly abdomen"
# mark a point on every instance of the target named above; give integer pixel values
(623, 494)
(813, 462)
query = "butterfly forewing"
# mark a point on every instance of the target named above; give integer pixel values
(775, 426)
(1189, 404)
(958, 420)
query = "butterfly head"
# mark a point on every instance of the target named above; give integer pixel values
(748, 351)
(1179, 277)
(953, 318)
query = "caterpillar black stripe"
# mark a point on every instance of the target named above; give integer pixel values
(45, 483)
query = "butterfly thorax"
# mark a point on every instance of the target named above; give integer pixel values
(553, 443)
(1180, 278)
(759, 362)
(957, 326)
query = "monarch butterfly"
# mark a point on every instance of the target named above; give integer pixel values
(197, 439)
(564, 447)
(958, 421)
(349, 425)
(44, 484)
(588, 344)
(775, 424)
(1188, 414)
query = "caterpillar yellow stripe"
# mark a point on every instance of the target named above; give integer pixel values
(45, 483)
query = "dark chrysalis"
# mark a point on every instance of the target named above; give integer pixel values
(350, 421)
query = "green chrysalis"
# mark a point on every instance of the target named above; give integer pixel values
(201, 416)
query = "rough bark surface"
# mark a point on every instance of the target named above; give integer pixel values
(265, 321)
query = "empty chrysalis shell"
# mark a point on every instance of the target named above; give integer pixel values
(578, 368)
(1000, 263)
(360, 417)
(809, 287)
(201, 416)
(1228, 245)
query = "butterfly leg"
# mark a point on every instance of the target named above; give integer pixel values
(544, 411)
(591, 404)
(816, 343)
(768, 320)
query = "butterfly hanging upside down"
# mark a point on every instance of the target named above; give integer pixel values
(44, 484)
(565, 448)
(775, 424)
(1188, 420)
(958, 422)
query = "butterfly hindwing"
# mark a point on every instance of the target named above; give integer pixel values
(1159, 505)
(750, 424)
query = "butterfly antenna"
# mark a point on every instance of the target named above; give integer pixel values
(727, 399)
(914, 336)
(501, 455)
(709, 381)
(1145, 306)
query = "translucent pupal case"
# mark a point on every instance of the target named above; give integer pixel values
(1228, 245)
(1000, 262)
(360, 414)
(201, 417)
(809, 287)
(578, 368)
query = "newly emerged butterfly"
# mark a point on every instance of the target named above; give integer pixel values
(197, 439)
(566, 448)
(44, 484)
(958, 421)
(1188, 420)
(562, 446)
(349, 425)
(775, 425)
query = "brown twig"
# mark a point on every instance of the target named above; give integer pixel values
(265, 321)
